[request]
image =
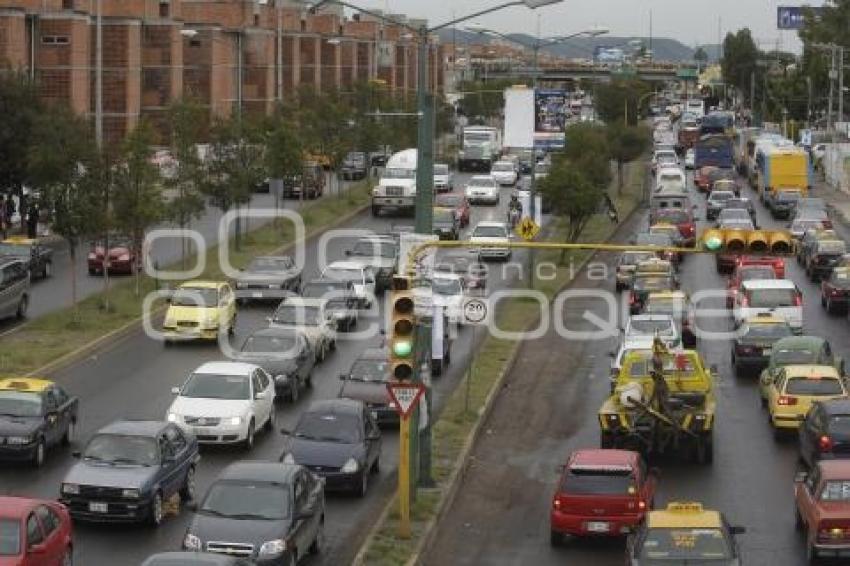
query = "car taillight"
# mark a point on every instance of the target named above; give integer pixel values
(558, 503)
(836, 292)
(786, 401)
(828, 532)
(632, 298)
(825, 443)
(745, 302)
(687, 230)
(798, 300)
(641, 505)
(744, 349)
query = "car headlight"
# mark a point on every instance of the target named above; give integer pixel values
(289, 458)
(18, 439)
(211, 322)
(70, 488)
(350, 466)
(173, 418)
(191, 542)
(272, 547)
(130, 493)
(241, 284)
(233, 421)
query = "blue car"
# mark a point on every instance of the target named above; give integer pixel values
(128, 470)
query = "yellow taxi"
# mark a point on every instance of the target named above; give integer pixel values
(35, 415)
(199, 310)
(788, 392)
(684, 532)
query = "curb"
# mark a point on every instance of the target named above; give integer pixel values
(113, 336)
(453, 482)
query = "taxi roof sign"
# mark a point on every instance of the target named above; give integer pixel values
(684, 515)
(686, 507)
(23, 384)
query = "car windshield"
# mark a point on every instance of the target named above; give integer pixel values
(652, 283)
(836, 490)
(650, 327)
(481, 182)
(448, 200)
(195, 297)
(813, 386)
(445, 286)
(769, 298)
(674, 216)
(788, 196)
(243, 500)
(398, 174)
(268, 264)
(589, 480)
(634, 258)
(20, 404)
(329, 427)
(489, 232)
(753, 273)
(324, 289)
(832, 247)
(443, 216)
(766, 331)
(678, 545)
(654, 240)
(720, 196)
(370, 370)
(506, 167)
(793, 356)
(214, 386)
(441, 169)
(10, 537)
(367, 248)
(15, 249)
(279, 344)
(804, 224)
(297, 315)
(122, 449)
(343, 274)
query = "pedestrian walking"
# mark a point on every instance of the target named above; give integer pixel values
(32, 219)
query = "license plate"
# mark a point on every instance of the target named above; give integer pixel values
(598, 527)
(374, 414)
(257, 295)
(766, 351)
(98, 507)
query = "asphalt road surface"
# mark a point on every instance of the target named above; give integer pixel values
(548, 408)
(133, 379)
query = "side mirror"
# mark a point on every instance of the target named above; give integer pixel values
(714, 369)
(285, 432)
(76, 454)
(348, 252)
(175, 391)
(612, 354)
(737, 530)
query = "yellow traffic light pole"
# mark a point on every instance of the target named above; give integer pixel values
(404, 483)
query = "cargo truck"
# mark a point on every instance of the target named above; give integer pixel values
(482, 146)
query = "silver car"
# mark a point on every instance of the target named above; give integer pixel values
(14, 288)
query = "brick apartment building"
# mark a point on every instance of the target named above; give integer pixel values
(157, 51)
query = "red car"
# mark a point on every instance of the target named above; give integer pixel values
(34, 532)
(122, 257)
(745, 272)
(456, 201)
(601, 492)
(777, 263)
(702, 179)
(823, 508)
(683, 220)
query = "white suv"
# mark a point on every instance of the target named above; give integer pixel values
(492, 233)
(780, 297)
(225, 403)
(504, 173)
(482, 188)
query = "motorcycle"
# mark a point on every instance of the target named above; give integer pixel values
(513, 216)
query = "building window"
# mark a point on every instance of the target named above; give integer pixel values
(163, 9)
(55, 40)
(67, 4)
(256, 20)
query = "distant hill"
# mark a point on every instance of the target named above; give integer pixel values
(664, 49)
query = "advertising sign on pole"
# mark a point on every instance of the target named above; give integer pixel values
(794, 17)
(519, 117)
(550, 118)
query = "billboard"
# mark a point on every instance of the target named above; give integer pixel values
(519, 117)
(386, 54)
(550, 118)
(794, 17)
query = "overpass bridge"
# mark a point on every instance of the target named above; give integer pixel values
(597, 72)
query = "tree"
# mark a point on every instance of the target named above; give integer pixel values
(65, 166)
(833, 26)
(284, 156)
(701, 57)
(626, 145)
(137, 201)
(618, 101)
(20, 110)
(187, 121)
(740, 60)
(234, 167)
(587, 149)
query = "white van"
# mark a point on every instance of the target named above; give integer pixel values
(397, 187)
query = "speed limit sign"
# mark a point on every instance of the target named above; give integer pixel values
(475, 311)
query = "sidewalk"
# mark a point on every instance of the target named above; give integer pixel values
(837, 200)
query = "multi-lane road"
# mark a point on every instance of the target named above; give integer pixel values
(548, 408)
(133, 379)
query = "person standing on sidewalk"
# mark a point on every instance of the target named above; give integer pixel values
(32, 219)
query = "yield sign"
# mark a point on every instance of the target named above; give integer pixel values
(405, 396)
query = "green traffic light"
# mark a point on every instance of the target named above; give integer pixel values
(402, 348)
(713, 243)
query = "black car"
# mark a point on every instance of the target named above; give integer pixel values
(286, 356)
(783, 204)
(446, 224)
(195, 559)
(366, 380)
(268, 277)
(825, 434)
(268, 512)
(715, 201)
(338, 440)
(34, 415)
(341, 303)
(128, 470)
(37, 256)
(354, 166)
(822, 257)
(754, 342)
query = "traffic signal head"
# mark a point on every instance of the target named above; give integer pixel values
(403, 335)
(737, 241)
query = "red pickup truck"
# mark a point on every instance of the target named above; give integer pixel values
(823, 509)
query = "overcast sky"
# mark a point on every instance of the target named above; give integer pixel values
(689, 21)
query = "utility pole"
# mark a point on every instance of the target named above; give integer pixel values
(840, 50)
(753, 95)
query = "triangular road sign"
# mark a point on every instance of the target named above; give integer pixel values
(405, 396)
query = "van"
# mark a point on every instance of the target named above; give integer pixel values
(14, 288)
(779, 297)
(670, 180)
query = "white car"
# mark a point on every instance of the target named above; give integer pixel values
(445, 290)
(443, 178)
(482, 188)
(643, 327)
(225, 403)
(492, 233)
(671, 180)
(779, 297)
(690, 158)
(361, 276)
(504, 173)
(311, 317)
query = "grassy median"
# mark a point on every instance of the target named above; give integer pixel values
(52, 336)
(460, 415)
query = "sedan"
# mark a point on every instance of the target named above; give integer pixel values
(715, 201)
(755, 339)
(825, 434)
(366, 380)
(445, 224)
(835, 291)
(338, 440)
(122, 256)
(482, 189)
(270, 513)
(504, 173)
(285, 354)
(35, 532)
(340, 301)
(269, 277)
(361, 276)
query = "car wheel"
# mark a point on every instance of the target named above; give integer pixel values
(320, 354)
(363, 487)
(811, 554)
(705, 449)
(187, 492)
(231, 328)
(68, 437)
(606, 441)
(272, 420)
(40, 453)
(92, 272)
(376, 465)
(319, 541)
(555, 538)
(248, 443)
(48, 270)
(68, 557)
(294, 391)
(23, 304)
(376, 211)
(333, 345)
(155, 516)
